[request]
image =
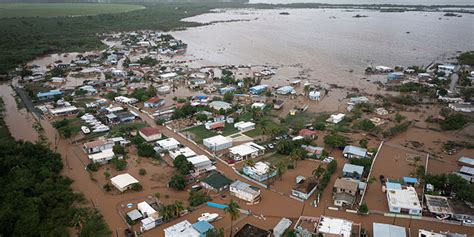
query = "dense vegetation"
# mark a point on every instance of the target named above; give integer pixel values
(466, 58)
(35, 199)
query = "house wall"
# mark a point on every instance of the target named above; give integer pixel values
(243, 195)
(150, 138)
(218, 147)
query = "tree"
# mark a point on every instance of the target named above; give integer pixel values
(197, 198)
(280, 168)
(318, 171)
(454, 122)
(228, 97)
(320, 126)
(136, 187)
(178, 208)
(182, 165)
(107, 174)
(146, 150)
(95, 226)
(363, 209)
(335, 140)
(119, 164)
(201, 117)
(399, 117)
(118, 149)
(215, 232)
(233, 210)
(177, 182)
(249, 162)
(141, 171)
(364, 143)
(297, 154)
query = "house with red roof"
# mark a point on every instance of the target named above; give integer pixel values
(150, 134)
(154, 102)
(308, 134)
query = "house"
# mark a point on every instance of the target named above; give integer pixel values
(466, 173)
(49, 95)
(126, 116)
(103, 157)
(410, 181)
(403, 200)
(123, 182)
(88, 89)
(285, 90)
(125, 100)
(464, 107)
(182, 229)
(258, 105)
(154, 102)
(387, 230)
(145, 209)
(345, 191)
(202, 227)
(150, 134)
(383, 69)
(305, 188)
(168, 144)
(63, 111)
(243, 126)
(259, 172)
(439, 205)
(249, 230)
(381, 111)
(217, 143)
(466, 161)
(256, 90)
(134, 215)
(335, 118)
(329, 226)
(447, 68)
(151, 217)
(184, 151)
(352, 171)
(202, 164)
(427, 233)
(245, 192)
(246, 151)
(281, 227)
(214, 125)
(278, 104)
(314, 152)
(218, 105)
(359, 100)
(308, 134)
(168, 76)
(395, 76)
(314, 95)
(226, 90)
(354, 152)
(216, 182)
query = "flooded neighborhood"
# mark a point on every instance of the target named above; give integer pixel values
(336, 121)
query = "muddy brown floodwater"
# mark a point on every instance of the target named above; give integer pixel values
(19, 121)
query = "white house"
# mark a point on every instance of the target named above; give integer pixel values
(354, 152)
(218, 105)
(246, 151)
(125, 100)
(245, 191)
(182, 229)
(123, 181)
(201, 164)
(336, 118)
(243, 126)
(217, 143)
(97, 146)
(150, 134)
(314, 95)
(63, 111)
(168, 144)
(305, 188)
(330, 226)
(404, 200)
(258, 105)
(103, 157)
(260, 171)
(185, 151)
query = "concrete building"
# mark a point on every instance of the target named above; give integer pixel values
(245, 192)
(103, 157)
(259, 172)
(466, 161)
(97, 146)
(216, 182)
(185, 151)
(354, 152)
(329, 226)
(168, 144)
(305, 188)
(243, 126)
(404, 200)
(439, 205)
(123, 182)
(386, 230)
(182, 229)
(150, 134)
(336, 118)
(352, 171)
(154, 102)
(246, 151)
(202, 164)
(218, 105)
(217, 143)
(345, 191)
(256, 90)
(285, 90)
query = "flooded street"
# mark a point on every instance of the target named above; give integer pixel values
(19, 121)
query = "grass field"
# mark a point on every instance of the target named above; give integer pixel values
(9, 10)
(200, 132)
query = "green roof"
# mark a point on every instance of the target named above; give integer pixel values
(217, 180)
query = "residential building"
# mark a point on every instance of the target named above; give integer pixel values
(246, 151)
(217, 143)
(150, 134)
(345, 191)
(125, 100)
(395, 76)
(336, 118)
(245, 192)
(285, 90)
(243, 126)
(218, 105)
(249, 230)
(260, 171)
(314, 152)
(403, 200)
(182, 229)
(103, 157)
(97, 146)
(464, 107)
(427, 233)
(184, 151)
(314, 95)
(354, 152)
(466, 161)
(447, 68)
(359, 100)
(387, 230)
(154, 102)
(49, 95)
(168, 76)
(308, 134)
(256, 90)
(466, 173)
(202, 164)
(281, 227)
(305, 188)
(202, 227)
(439, 205)
(335, 227)
(168, 144)
(226, 90)
(123, 182)
(214, 125)
(258, 105)
(381, 111)
(352, 171)
(63, 111)
(216, 182)
(278, 104)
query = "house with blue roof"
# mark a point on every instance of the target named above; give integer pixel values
(49, 94)
(410, 181)
(225, 90)
(352, 171)
(202, 227)
(256, 90)
(354, 152)
(395, 76)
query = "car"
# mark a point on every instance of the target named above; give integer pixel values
(128, 233)
(270, 146)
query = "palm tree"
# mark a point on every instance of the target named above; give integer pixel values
(280, 168)
(269, 172)
(297, 154)
(263, 128)
(250, 162)
(178, 207)
(318, 171)
(233, 210)
(79, 217)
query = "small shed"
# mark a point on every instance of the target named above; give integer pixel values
(281, 227)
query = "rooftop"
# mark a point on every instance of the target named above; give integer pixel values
(249, 230)
(245, 187)
(404, 198)
(359, 151)
(219, 139)
(246, 149)
(329, 225)
(202, 226)
(346, 184)
(438, 205)
(466, 160)
(386, 230)
(182, 229)
(217, 180)
(150, 131)
(350, 168)
(123, 180)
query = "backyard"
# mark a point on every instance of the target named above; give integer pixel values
(200, 132)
